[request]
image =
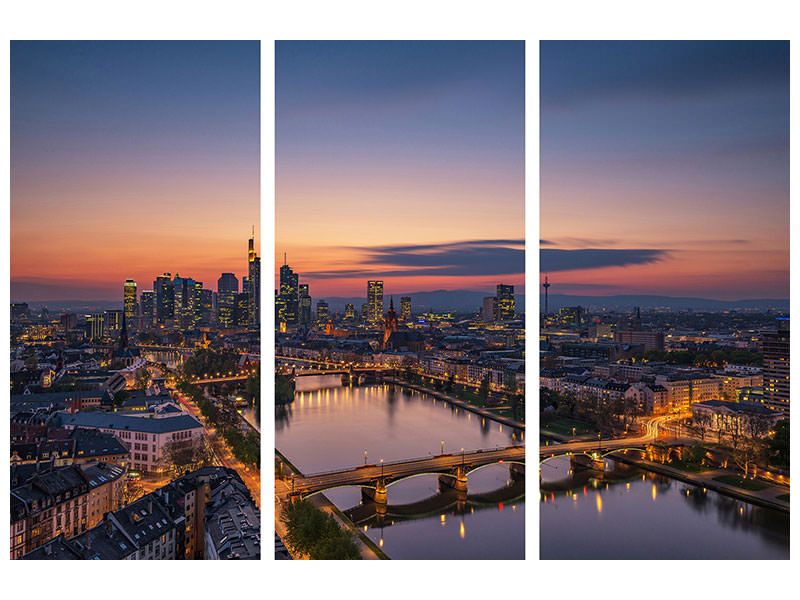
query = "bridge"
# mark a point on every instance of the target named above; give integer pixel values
(448, 500)
(373, 480)
(591, 454)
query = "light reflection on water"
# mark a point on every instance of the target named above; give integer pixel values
(631, 514)
(329, 427)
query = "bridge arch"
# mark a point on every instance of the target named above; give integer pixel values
(334, 487)
(497, 462)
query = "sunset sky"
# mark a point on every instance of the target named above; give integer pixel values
(665, 168)
(401, 161)
(129, 159)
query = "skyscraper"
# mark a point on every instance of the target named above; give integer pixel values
(304, 302)
(165, 297)
(147, 305)
(375, 301)
(322, 311)
(129, 299)
(227, 289)
(349, 311)
(241, 311)
(775, 348)
(254, 282)
(95, 328)
(505, 307)
(227, 282)
(489, 309)
(289, 294)
(113, 322)
(405, 308)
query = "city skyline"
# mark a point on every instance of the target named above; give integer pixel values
(401, 161)
(678, 151)
(146, 152)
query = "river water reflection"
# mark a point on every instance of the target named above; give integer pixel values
(633, 514)
(329, 426)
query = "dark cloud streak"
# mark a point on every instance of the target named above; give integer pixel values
(553, 260)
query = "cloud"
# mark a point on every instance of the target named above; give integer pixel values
(553, 260)
(467, 258)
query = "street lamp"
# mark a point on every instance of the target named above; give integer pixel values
(381, 468)
(573, 434)
(462, 457)
(365, 456)
(442, 446)
(599, 440)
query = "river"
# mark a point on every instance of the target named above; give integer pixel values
(634, 514)
(330, 426)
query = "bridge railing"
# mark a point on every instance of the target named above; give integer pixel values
(407, 461)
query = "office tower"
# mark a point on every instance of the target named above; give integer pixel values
(304, 304)
(405, 308)
(290, 295)
(573, 316)
(349, 311)
(365, 312)
(165, 297)
(775, 348)
(280, 310)
(227, 282)
(68, 322)
(206, 305)
(95, 326)
(20, 312)
(254, 281)
(113, 322)
(182, 293)
(489, 309)
(322, 311)
(504, 308)
(227, 290)
(241, 311)
(375, 301)
(129, 299)
(147, 305)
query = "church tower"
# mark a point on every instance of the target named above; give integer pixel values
(389, 323)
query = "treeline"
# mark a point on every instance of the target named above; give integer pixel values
(706, 357)
(247, 448)
(284, 390)
(311, 532)
(210, 362)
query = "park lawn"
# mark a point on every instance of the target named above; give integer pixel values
(745, 484)
(563, 426)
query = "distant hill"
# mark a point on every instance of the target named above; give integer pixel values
(438, 300)
(77, 306)
(628, 302)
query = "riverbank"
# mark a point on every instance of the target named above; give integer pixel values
(459, 403)
(771, 496)
(369, 549)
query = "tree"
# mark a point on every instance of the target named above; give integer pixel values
(142, 379)
(702, 421)
(120, 397)
(779, 444)
(310, 532)
(483, 390)
(183, 456)
(510, 382)
(284, 390)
